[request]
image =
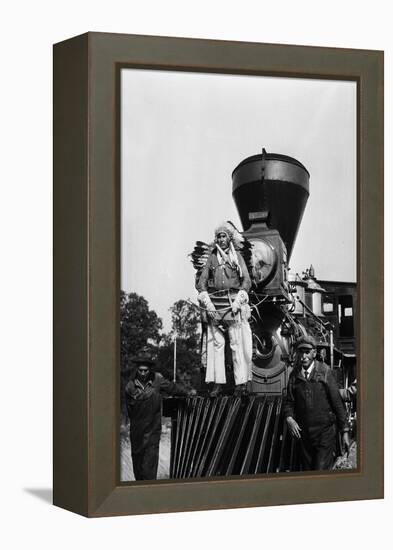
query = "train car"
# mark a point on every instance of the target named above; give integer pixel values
(247, 435)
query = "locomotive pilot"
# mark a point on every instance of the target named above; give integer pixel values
(226, 277)
(314, 408)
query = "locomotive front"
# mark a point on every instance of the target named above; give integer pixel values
(232, 435)
(271, 192)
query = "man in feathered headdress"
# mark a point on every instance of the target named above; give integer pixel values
(223, 294)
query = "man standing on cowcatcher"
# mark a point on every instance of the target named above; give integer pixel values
(223, 295)
(144, 401)
(314, 408)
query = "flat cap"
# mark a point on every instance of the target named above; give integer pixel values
(307, 342)
(144, 359)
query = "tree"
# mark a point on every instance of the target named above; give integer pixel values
(139, 329)
(186, 323)
(185, 327)
(139, 326)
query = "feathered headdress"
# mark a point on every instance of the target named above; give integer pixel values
(202, 250)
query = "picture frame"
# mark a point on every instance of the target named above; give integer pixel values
(87, 266)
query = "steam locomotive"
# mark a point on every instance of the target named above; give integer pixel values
(247, 435)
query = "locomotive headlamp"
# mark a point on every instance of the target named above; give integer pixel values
(264, 261)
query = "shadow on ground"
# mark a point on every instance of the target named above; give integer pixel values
(43, 494)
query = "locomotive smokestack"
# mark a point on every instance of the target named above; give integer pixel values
(275, 184)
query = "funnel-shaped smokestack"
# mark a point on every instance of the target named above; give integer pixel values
(274, 183)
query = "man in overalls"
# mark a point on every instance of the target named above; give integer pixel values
(144, 403)
(314, 409)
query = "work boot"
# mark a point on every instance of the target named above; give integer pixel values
(217, 390)
(240, 390)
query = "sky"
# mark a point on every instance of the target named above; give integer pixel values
(182, 134)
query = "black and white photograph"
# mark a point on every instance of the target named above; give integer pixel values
(238, 301)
